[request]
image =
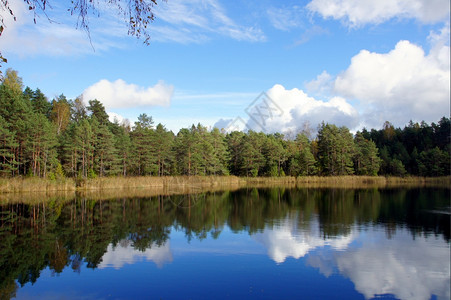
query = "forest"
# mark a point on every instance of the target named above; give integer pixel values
(66, 138)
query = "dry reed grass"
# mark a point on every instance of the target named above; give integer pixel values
(38, 188)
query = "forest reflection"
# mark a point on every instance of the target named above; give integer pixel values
(58, 234)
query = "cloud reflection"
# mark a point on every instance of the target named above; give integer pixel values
(117, 257)
(287, 240)
(403, 266)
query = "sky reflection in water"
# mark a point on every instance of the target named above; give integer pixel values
(306, 250)
(401, 266)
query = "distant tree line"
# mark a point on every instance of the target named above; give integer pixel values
(65, 138)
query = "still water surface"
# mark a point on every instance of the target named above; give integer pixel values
(252, 243)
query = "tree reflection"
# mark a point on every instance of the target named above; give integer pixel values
(57, 234)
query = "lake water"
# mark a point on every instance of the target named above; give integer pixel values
(247, 244)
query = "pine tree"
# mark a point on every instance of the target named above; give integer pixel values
(41, 145)
(305, 161)
(335, 150)
(220, 152)
(60, 114)
(366, 159)
(162, 149)
(234, 142)
(40, 103)
(7, 148)
(123, 145)
(84, 146)
(98, 111)
(252, 159)
(16, 111)
(106, 162)
(142, 139)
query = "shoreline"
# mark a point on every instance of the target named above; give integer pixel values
(192, 183)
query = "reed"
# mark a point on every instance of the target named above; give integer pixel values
(190, 184)
(35, 184)
(152, 182)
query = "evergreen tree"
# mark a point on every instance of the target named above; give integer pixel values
(142, 138)
(106, 160)
(40, 103)
(163, 144)
(305, 163)
(434, 162)
(84, 146)
(42, 144)
(60, 114)
(123, 145)
(252, 159)
(275, 155)
(16, 111)
(188, 151)
(220, 152)
(7, 148)
(335, 150)
(234, 142)
(366, 160)
(97, 110)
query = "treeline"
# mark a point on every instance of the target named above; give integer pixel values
(65, 138)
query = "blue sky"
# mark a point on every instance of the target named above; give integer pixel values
(347, 62)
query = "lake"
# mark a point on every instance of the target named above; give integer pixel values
(273, 243)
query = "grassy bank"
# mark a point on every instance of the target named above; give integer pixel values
(189, 184)
(36, 189)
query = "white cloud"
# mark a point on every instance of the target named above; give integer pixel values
(194, 21)
(286, 240)
(321, 85)
(356, 13)
(398, 86)
(297, 108)
(112, 116)
(405, 267)
(117, 257)
(119, 94)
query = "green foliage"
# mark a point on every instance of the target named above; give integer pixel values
(98, 111)
(366, 159)
(434, 162)
(335, 150)
(397, 168)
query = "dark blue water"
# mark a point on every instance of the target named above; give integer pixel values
(260, 244)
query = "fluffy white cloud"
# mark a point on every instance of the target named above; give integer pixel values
(293, 108)
(321, 85)
(117, 257)
(119, 94)
(287, 240)
(400, 85)
(112, 116)
(405, 267)
(358, 12)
